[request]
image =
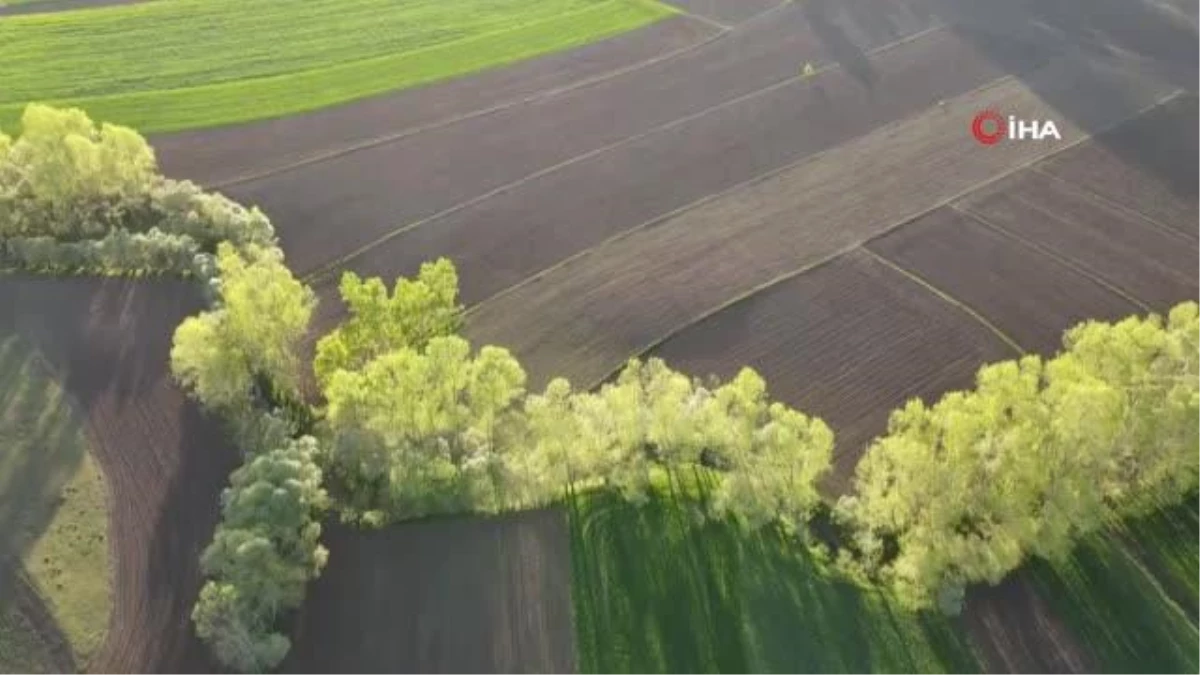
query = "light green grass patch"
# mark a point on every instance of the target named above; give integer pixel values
(656, 588)
(53, 515)
(177, 64)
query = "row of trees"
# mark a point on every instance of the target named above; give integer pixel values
(419, 424)
(85, 198)
(1040, 453)
(263, 554)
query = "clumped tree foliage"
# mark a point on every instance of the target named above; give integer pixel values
(421, 426)
(652, 417)
(67, 177)
(417, 311)
(263, 554)
(1038, 454)
(425, 431)
(80, 197)
(250, 336)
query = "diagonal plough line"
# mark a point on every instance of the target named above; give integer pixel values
(325, 271)
(1095, 278)
(948, 201)
(535, 97)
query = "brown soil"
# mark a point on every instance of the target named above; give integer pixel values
(328, 210)
(1150, 263)
(848, 342)
(228, 154)
(583, 318)
(165, 464)
(1026, 294)
(455, 595)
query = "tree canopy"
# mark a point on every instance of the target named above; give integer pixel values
(254, 331)
(1038, 454)
(417, 311)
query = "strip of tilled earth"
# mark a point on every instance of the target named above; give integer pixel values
(222, 156)
(848, 341)
(504, 239)
(1155, 268)
(1028, 295)
(585, 317)
(165, 464)
(330, 210)
(1148, 166)
(462, 595)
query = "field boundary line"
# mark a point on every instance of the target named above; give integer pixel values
(1090, 195)
(948, 298)
(719, 25)
(1079, 268)
(778, 279)
(545, 94)
(328, 268)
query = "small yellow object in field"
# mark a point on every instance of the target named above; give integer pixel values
(808, 70)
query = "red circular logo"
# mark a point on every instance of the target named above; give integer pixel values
(989, 127)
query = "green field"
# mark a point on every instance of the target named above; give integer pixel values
(657, 589)
(174, 64)
(1125, 594)
(53, 521)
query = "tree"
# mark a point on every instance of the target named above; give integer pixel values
(417, 311)
(418, 432)
(221, 623)
(65, 175)
(265, 550)
(263, 315)
(1037, 455)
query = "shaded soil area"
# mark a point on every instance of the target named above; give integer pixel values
(1152, 265)
(329, 210)
(220, 156)
(1026, 294)
(108, 342)
(848, 342)
(1149, 165)
(454, 595)
(1016, 632)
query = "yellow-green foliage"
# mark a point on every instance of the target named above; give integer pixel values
(1040, 453)
(263, 315)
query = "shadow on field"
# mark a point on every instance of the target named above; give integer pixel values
(109, 342)
(658, 589)
(1102, 37)
(41, 447)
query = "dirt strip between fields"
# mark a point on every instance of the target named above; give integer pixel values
(585, 317)
(327, 211)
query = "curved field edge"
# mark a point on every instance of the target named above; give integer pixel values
(656, 588)
(281, 95)
(53, 518)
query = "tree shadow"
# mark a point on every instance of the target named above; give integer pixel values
(21, 602)
(108, 341)
(659, 589)
(1108, 49)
